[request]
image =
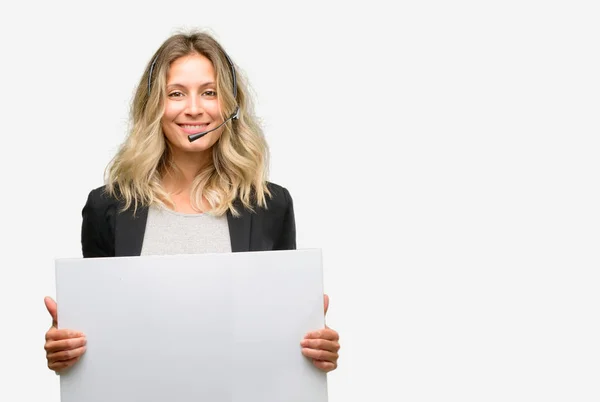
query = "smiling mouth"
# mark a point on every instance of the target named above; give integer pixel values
(193, 128)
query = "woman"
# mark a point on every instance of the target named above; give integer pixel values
(189, 178)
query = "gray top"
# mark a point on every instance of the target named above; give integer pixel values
(169, 232)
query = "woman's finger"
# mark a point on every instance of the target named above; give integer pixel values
(65, 355)
(325, 333)
(58, 334)
(324, 365)
(332, 346)
(319, 354)
(59, 366)
(65, 344)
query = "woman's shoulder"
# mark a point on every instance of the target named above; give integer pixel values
(100, 199)
(280, 196)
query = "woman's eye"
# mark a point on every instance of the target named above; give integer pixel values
(175, 94)
(210, 93)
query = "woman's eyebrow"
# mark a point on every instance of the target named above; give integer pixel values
(177, 85)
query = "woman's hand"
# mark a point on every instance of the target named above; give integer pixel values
(322, 345)
(64, 347)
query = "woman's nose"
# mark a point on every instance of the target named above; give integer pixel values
(194, 106)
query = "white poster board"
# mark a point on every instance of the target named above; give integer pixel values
(212, 327)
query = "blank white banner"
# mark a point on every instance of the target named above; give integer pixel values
(213, 327)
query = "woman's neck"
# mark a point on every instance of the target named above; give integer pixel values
(179, 183)
(188, 165)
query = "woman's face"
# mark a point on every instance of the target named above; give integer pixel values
(191, 104)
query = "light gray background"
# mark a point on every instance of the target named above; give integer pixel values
(443, 154)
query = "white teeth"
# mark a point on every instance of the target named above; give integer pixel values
(193, 126)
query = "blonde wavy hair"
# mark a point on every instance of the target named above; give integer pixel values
(239, 158)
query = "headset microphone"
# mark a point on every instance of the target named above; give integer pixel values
(194, 137)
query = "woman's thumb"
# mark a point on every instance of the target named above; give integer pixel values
(51, 306)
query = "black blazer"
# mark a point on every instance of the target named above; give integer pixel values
(107, 232)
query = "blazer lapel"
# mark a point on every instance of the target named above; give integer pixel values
(129, 232)
(239, 230)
